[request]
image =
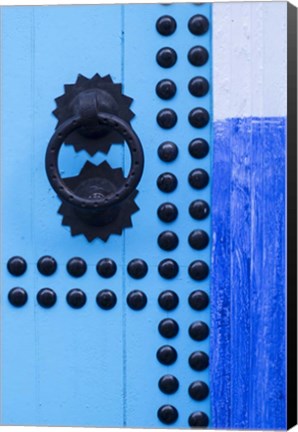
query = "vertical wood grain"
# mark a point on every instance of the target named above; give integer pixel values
(248, 383)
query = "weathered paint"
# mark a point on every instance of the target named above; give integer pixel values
(248, 371)
(249, 59)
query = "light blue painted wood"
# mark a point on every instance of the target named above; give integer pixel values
(92, 367)
(248, 354)
(142, 337)
(59, 366)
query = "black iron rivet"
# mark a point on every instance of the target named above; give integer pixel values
(198, 390)
(76, 298)
(198, 300)
(167, 212)
(198, 178)
(198, 56)
(168, 328)
(76, 267)
(46, 298)
(16, 266)
(166, 57)
(166, 89)
(47, 265)
(166, 118)
(137, 268)
(166, 355)
(198, 117)
(198, 419)
(168, 300)
(17, 297)
(167, 414)
(198, 360)
(198, 86)
(106, 267)
(198, 148)
(198, 239)
(168, 384)
(168, 151)
(198, 270)
(168, 240)
(198, 330)
(166, 25)
(106, 299)
(198, 25)
(168, 268)
(136, 300)
(167, 182)
(199, 209)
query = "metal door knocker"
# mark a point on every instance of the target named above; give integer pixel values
(93, 115)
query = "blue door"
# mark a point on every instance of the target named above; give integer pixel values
(106, 323)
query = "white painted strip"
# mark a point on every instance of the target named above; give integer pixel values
(249, 59)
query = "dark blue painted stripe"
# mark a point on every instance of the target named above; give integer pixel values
(248, 353)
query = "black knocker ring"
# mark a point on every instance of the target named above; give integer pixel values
(102, 202)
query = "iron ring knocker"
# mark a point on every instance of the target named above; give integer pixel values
(104, 202)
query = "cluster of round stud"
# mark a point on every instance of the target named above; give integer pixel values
(167, 212)
(167, 355)
(136, 268)
(76, 298)
(198, 86)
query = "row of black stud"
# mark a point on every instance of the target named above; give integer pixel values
(136, 268)
(167, 212)
(137, 300)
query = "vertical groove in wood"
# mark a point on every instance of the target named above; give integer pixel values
(248, 381)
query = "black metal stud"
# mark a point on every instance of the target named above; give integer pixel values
(198, 331)
(198, 360)
(168, 300)
(168, 384)
(166, 25)
(76, 267)
(106, 299)
(167, 212)
(198, 86)
(199, 209)
(168, 328)
(198, 56)
(166, 57)
(198, 270)
(167, 182)
(46, 298)
(198, 117)
(168, 268)
(47, 265)
(168, 240)
(198, 239)
(198, 25)
(166, 89)
(137, 268)
(198, 148)
(198, 300)
(16, 266)
(167, 151)
(106, 267)
(76, 298)
(198, 390)
(198, 419)
(167, 414)
(136, 300)
(166, 118)
(17, 297)
(166, 355)
(198, 178)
